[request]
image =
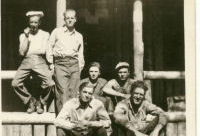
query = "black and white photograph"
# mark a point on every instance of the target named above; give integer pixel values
(97, 68)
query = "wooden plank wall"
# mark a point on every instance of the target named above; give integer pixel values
(28, 130)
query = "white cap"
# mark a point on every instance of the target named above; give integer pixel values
(34, 13)
(122, 64)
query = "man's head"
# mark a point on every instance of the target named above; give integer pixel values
(86, 92)
(138, 91)
(94, 70)
(122, 69)
(34, 20)
(70, 18)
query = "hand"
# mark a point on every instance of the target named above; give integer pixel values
(27, 31)
(79, 126)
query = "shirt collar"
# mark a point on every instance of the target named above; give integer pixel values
(130, 106)
(78, 106)
(67, 30)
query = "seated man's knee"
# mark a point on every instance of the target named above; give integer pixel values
(14, 83)
(101, 132)
(48, 84)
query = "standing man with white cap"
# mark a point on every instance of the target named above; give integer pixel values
(66, 55)
(33, 45)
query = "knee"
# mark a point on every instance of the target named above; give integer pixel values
(101, 132)
(14, 83)
(48, 84)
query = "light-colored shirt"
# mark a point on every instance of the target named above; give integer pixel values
(37, 43)
(94, 112)
(125, 115)
(63, 43)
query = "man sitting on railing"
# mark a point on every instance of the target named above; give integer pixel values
(138, 116)
(84, 116)
(33, 45)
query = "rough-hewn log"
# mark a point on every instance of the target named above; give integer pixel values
(137, 37)
(164, 74)
(48, 118)
(9, 74)
(176, 116)
(61, 7)
(25, 118)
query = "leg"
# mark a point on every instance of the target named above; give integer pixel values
(74, 81)
(99, 132)
(61, 79)
(18, 85)
(43, 72)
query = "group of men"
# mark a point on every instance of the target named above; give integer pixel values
(83, 107)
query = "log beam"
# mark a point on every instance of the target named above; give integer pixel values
(9, 74)
(61, 7)
(164, 74)
(48, 118)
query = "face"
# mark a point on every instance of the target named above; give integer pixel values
(94, 73)
(138, 96)
(123, 74)
(34, 23)
(86, 94)
(70, 18)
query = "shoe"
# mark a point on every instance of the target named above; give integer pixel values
(39, 107)
(31, 105)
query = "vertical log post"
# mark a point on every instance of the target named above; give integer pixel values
(138, 42)
(139, 46)
(61, 7)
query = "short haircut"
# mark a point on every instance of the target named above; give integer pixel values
(138, 84)
(69, 10)
(85, 84)
(95, 64)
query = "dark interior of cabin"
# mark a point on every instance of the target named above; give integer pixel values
(107, 29)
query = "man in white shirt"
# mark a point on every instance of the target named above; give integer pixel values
(33, 45)
(66, 56)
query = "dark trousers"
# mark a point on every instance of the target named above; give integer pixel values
(95, 132)
(33, 64)
(67, 78)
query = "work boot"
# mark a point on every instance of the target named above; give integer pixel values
(31, 105)
(39, 107)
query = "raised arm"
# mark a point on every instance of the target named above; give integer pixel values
(108, 89)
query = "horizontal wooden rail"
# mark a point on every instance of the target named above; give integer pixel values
(9, 74)
(164, 74)
(48, 118)
(25, 118)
